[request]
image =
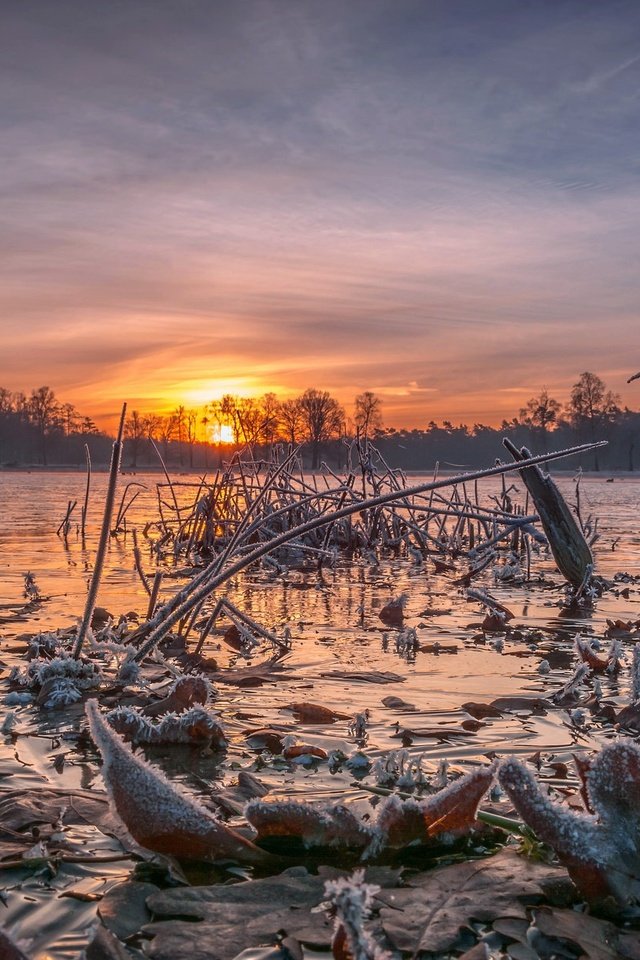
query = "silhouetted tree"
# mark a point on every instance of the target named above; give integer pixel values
(592, 407)
(368, 414)
(539, 414)
(322, 417)
(291, 420)
(44, 413)
(135, 432)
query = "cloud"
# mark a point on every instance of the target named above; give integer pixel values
(351, 195)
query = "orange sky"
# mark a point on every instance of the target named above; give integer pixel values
(437, 202)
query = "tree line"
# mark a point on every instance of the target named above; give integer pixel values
(40, 429)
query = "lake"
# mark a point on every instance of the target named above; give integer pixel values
(339, 645)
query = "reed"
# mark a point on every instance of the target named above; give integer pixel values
(206, 582)
(116, 455)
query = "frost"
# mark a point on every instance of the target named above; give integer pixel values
(399, 769)
(17, 699)
(358, 726)
(601, 851)
(351, 899)
(84, 674)
(569, 691)
(160, 815)
(59, 692)
(635, 674)
(193, 726)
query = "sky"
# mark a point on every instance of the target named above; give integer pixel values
(437, 200)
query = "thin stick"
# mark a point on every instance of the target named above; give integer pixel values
(85, 507)
(153, 596)
(137, 556)
(92, 596)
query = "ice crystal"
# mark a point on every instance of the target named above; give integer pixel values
(193, 726)
(358, 726)
(84, 674)
(59, 692)
(351, 900)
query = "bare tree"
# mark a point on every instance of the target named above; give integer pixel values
(539, 414)
(368, 414)
(44, 413)
(592, 407)
(322, 418)
(291, 422)
(135, 430)
(191, 423)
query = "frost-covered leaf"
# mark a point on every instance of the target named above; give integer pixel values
(186, 692)
(602, 857)
(157, 814)
(316, 825)
(195, 725)
(399, 822)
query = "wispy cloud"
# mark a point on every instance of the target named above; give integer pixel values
(356, 195)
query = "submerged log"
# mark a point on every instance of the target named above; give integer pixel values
(570, 550)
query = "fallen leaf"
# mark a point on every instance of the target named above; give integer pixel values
(315, 713)
(156, 813)
(185, 693)
(597, 939)
(366, 676)
(123, 908)
(104, 946)
(235, 918)
(426, 918)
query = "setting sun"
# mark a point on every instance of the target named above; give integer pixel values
(222, 433)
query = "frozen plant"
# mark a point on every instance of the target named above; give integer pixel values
(635, 674)
(31, 589)
(399, 769)
(358, 726)
(570, 689)
(407, 642)
(351, 899)
(85, 674)
(600, 851)
(59, 692)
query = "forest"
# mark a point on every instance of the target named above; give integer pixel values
(40, 430)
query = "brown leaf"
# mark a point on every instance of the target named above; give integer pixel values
(156, 813)
(365, 676)
(186, 692)
(598, 939)
(481, 710)
(315, 713)
(123, 908)
(238, 917)
(426, 918)
(8, 949)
